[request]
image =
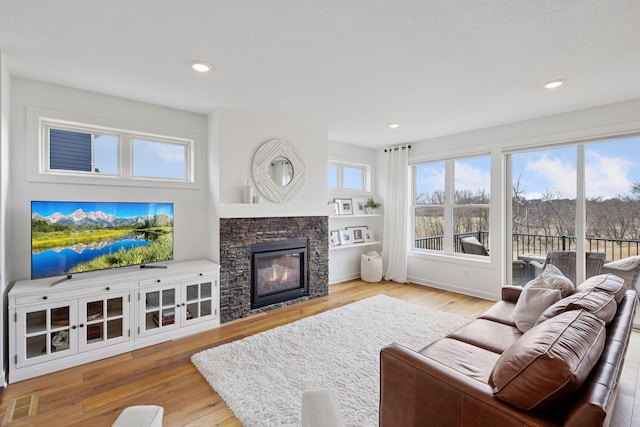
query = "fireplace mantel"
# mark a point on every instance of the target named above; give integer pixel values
(236, 237)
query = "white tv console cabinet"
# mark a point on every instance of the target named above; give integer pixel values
(100, 314)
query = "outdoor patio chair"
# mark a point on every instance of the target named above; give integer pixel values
(627, 269)
(471, 245)
(566, 262)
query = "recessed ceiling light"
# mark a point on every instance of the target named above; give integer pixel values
(394, 125)
(200, 66)
(553, 84)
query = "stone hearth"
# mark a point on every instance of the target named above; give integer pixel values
(236, 237)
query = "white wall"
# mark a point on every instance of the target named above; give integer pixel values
(191, 206)
(483, 277)
(4, 185)
(239, 134)
(344, 262)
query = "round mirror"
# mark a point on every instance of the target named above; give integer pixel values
(278, 170)
(281, 171)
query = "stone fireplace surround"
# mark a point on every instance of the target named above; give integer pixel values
(236, 237)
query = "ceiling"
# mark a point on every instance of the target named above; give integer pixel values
(350, 66)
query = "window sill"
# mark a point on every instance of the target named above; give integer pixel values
(112, 181)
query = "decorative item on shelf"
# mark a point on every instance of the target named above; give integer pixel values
(333, 208)
(371, 206)
(345, 206)
(248, 193)
(345, 237)
(358, 205)
(334, 238)
(357, 233)
(368, 236)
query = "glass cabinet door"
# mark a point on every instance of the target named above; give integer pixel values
(49, 331)
(158, 309)
(200, 302)
(104, 321)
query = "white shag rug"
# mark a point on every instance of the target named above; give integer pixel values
(261, 378)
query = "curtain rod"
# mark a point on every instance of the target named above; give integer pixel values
(397, 148)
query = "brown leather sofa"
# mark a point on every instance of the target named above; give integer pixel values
(480, 375)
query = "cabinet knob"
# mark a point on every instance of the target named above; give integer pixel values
(45, 297)
(158, 280)
(201, 274)
(108, 288)
(73, 327)
(183, 304)
(82, 325)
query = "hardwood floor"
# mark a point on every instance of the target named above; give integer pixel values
(94, 394)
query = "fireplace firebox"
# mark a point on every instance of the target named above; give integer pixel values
(278, 271)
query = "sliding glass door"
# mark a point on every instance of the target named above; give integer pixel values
(583, 198)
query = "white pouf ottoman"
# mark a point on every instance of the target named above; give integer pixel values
(140, 416)
(371, 267)
(320, 409)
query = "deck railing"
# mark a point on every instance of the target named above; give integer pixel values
(541, 244)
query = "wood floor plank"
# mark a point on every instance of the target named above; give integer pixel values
(94, 394)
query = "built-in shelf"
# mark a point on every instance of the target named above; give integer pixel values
(355, 245)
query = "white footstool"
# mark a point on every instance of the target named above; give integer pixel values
(320, 409)
(140, 416)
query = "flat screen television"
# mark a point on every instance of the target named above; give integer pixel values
(74, 237)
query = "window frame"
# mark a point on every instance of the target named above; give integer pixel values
(161, 140)
(48, 125)
(40, 121)
(449, 206)
(366, 177)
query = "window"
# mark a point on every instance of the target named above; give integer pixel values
(74, 150)
(332, 177)
(157, 159)
(451, 201)
(70, 149)
(552, 188)
(348, 177)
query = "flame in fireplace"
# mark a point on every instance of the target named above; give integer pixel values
(273, 277)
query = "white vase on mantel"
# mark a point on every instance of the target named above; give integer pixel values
(248, 193)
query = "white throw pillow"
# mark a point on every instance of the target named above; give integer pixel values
(535, 298)
(554, 279)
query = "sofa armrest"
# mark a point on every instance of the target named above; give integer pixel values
(417, 390)
(511, 293)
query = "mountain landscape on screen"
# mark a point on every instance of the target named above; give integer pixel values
(74, 237)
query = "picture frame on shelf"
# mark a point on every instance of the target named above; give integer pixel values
(333, 208)
(345, 206)
(357, 233)
(368, 236)
(346, 237)
(359, 205)
(334, 238)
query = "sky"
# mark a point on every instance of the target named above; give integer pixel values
(120, 209)
(150, 159)
(611, 168)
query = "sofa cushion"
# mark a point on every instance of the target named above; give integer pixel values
(533, 301)
(554, 279)
(501, 312)
(487, 334)
(550, 361)
(605, 283)
(472, 361)
(602, 304)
